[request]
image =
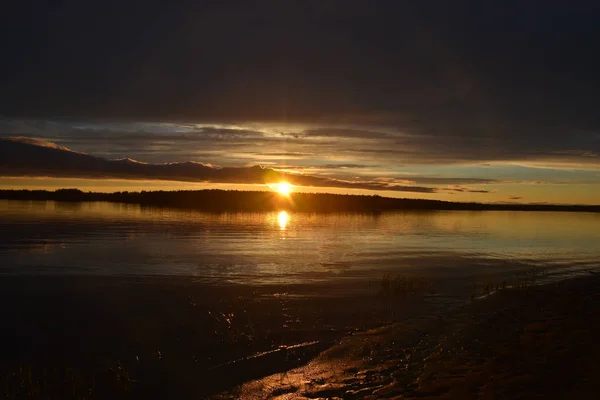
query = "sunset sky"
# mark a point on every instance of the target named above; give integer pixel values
(449, 100)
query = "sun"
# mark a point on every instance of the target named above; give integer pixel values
(283, 188)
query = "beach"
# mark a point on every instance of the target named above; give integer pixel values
(157, 337)
(534, 342)
(160, 336)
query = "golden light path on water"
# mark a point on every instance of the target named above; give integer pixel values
(285, 246)
(283, 219)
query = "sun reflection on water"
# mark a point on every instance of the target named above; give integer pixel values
(283, 219)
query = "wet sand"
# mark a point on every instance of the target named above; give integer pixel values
(535, 342)
(169, 337)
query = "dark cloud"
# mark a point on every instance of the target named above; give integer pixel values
(228, 131)
(519, 143)
(465, 190)
(284, 154)
(345, 133)
(343, 166)
(424, 145)
(425, 180)
(467, 65)
(30, 157)
(515, 197)
(325, 168)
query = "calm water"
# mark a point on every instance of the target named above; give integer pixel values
(115, 239)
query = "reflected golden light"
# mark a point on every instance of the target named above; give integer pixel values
(283, 219)
(284, 188)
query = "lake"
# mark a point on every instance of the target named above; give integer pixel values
(54, 238)
(214, 300)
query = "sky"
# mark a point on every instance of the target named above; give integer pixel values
(465, 100)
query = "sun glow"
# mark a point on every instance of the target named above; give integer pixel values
(283, 188)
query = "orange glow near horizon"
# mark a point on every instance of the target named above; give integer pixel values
(578, 193)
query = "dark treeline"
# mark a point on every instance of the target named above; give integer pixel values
(231, 200)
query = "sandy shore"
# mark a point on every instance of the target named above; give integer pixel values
(537, 342)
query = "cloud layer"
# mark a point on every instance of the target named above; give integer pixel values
(376, 158)
(330, 147)
(465, 62)
(29, 157)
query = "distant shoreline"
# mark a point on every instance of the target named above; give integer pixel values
(254, 201)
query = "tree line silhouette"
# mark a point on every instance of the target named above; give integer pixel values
(233, 200)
